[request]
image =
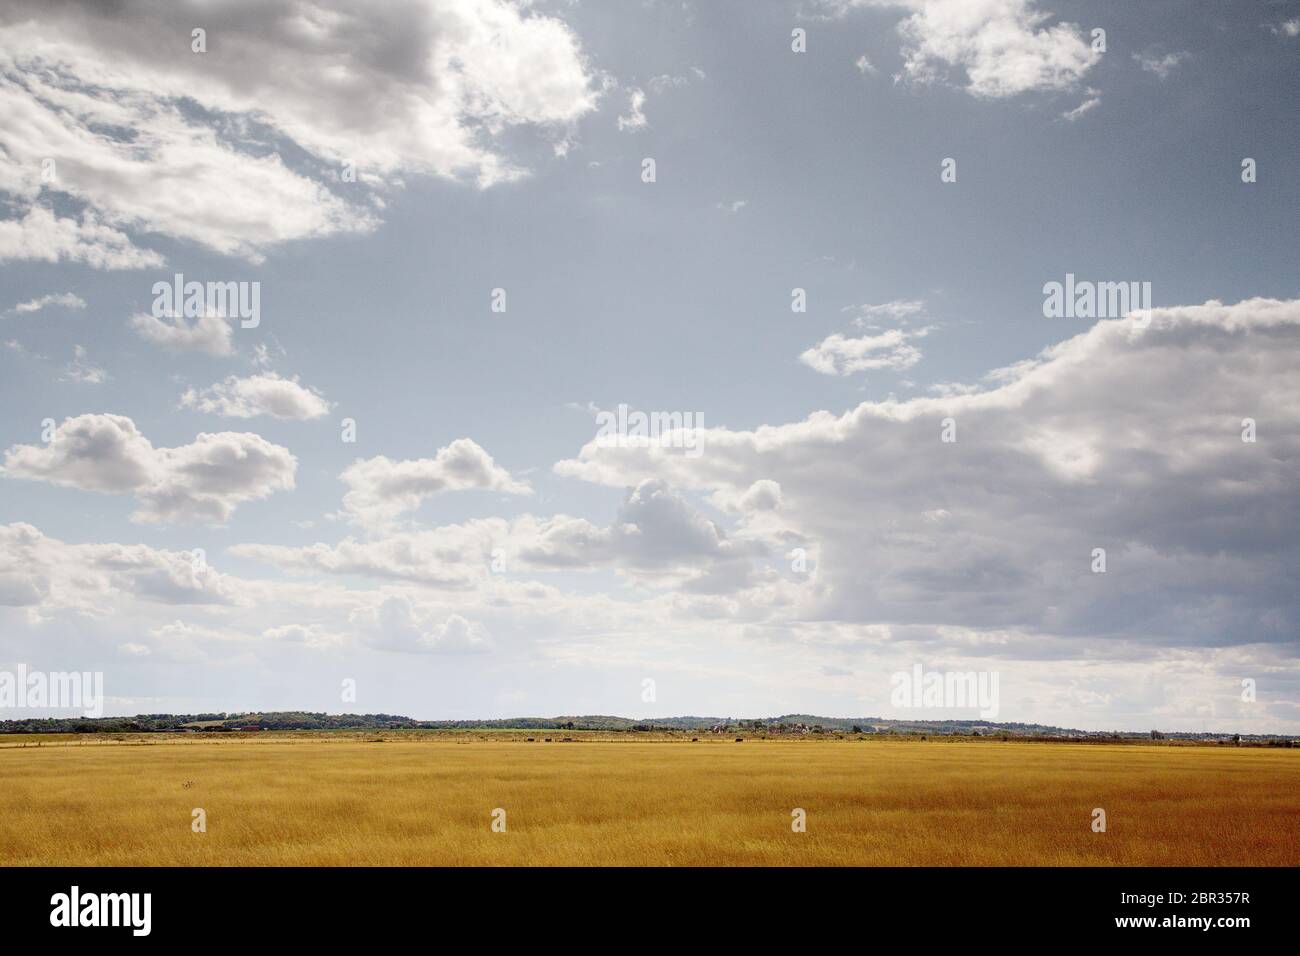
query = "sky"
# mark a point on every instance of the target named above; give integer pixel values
(393, 486)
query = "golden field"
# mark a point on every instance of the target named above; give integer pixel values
(349, 800)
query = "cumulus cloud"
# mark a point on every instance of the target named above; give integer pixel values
(39, 236)
(37, 570)
(451, 557)
(208, 333)
(264, 394)
(209, 131)
(306, 635)
(762, 495)
(456, 557)
(399, 624)
(203, 481)
(1004, 47)
(66, 300)
(667, 528)
(1121, 438)
(380, 490)
(843, 355)
(657, 539)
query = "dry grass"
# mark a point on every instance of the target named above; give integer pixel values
(320, 801)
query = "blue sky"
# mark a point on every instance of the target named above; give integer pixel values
(501, 146)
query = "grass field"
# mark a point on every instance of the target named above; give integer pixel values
(347, 801)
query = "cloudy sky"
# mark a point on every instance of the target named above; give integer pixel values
(393, 474)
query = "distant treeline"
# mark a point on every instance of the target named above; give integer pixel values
(793, 724)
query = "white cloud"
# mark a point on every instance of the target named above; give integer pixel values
(1160, 65)
(864, 66)
(41, 237)
(79, 370)
(762, 495)
(283, 78)
(1287, 28)
(667, 81)
(37, 570)
(399, 624)
(452, 557)
(1062, 455)
(67, 300)
(1086, 106)
(898, 310)
(634, 118)
(263, 394)
(209, 333)
(202, 481)
(843, 355)
(307, 635)
(1004, 47)
(380, 489)
(657, 539)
